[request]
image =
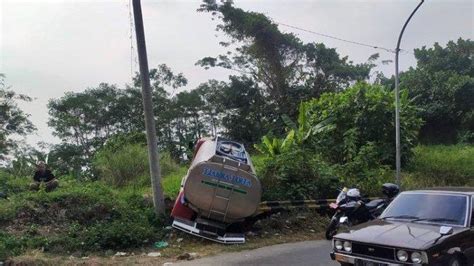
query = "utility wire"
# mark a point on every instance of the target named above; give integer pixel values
(133, 57)
(131, 38)
(340, 39)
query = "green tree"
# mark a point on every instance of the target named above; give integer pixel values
(13, 121)
(212, 109)
(67, 158)
(287, 70)
(86, 119)
(246, 115)
(442, 86)
(162, 80)
(24, 158)
(189, 106)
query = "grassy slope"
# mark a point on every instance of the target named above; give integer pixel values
(78, 217)
(68, 220)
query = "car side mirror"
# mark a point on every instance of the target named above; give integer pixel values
(445, 230)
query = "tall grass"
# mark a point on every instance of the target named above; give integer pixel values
(129, 165)
(440, 165)
(121, 167)
(171, 182)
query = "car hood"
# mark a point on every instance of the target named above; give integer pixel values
(397, 234)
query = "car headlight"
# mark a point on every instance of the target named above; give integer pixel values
(416, 257)
(347, 246)
(338, 244)
(402, 255)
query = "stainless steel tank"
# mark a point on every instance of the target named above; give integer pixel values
(221, 184)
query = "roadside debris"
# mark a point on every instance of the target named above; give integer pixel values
(120, 254)
(154, 254)
(250, 233)
(188, 256)
(160, 244)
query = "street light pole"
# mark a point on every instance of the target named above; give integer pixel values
(397, 97)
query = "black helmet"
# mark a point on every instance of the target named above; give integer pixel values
(390, 190)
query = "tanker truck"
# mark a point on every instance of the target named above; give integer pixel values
(219, 191)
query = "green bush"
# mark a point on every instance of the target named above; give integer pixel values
(73, 201)
(341, 139)
(117, 234)
(9, 246)
(360, 122)
(10, 184)
(297, 174)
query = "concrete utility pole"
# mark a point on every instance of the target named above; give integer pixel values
(397, 97)
(153, 157)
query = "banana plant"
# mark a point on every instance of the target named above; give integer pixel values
(297, 133)
(269, 146)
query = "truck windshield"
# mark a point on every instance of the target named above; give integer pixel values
(428, 208)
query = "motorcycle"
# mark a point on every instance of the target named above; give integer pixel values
(351, 209)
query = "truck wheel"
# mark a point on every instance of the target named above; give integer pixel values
(331, 230)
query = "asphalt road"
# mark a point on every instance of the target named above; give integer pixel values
(314, 253)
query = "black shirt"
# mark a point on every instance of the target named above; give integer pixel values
(44, 176)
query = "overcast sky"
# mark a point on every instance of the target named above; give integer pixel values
(50, 47)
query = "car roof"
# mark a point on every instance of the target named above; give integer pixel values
(461, 190)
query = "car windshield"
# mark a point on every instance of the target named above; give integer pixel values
(429, 208)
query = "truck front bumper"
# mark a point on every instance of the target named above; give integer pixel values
(191, 227)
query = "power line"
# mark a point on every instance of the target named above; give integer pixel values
(133, 57)
(340, 39)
